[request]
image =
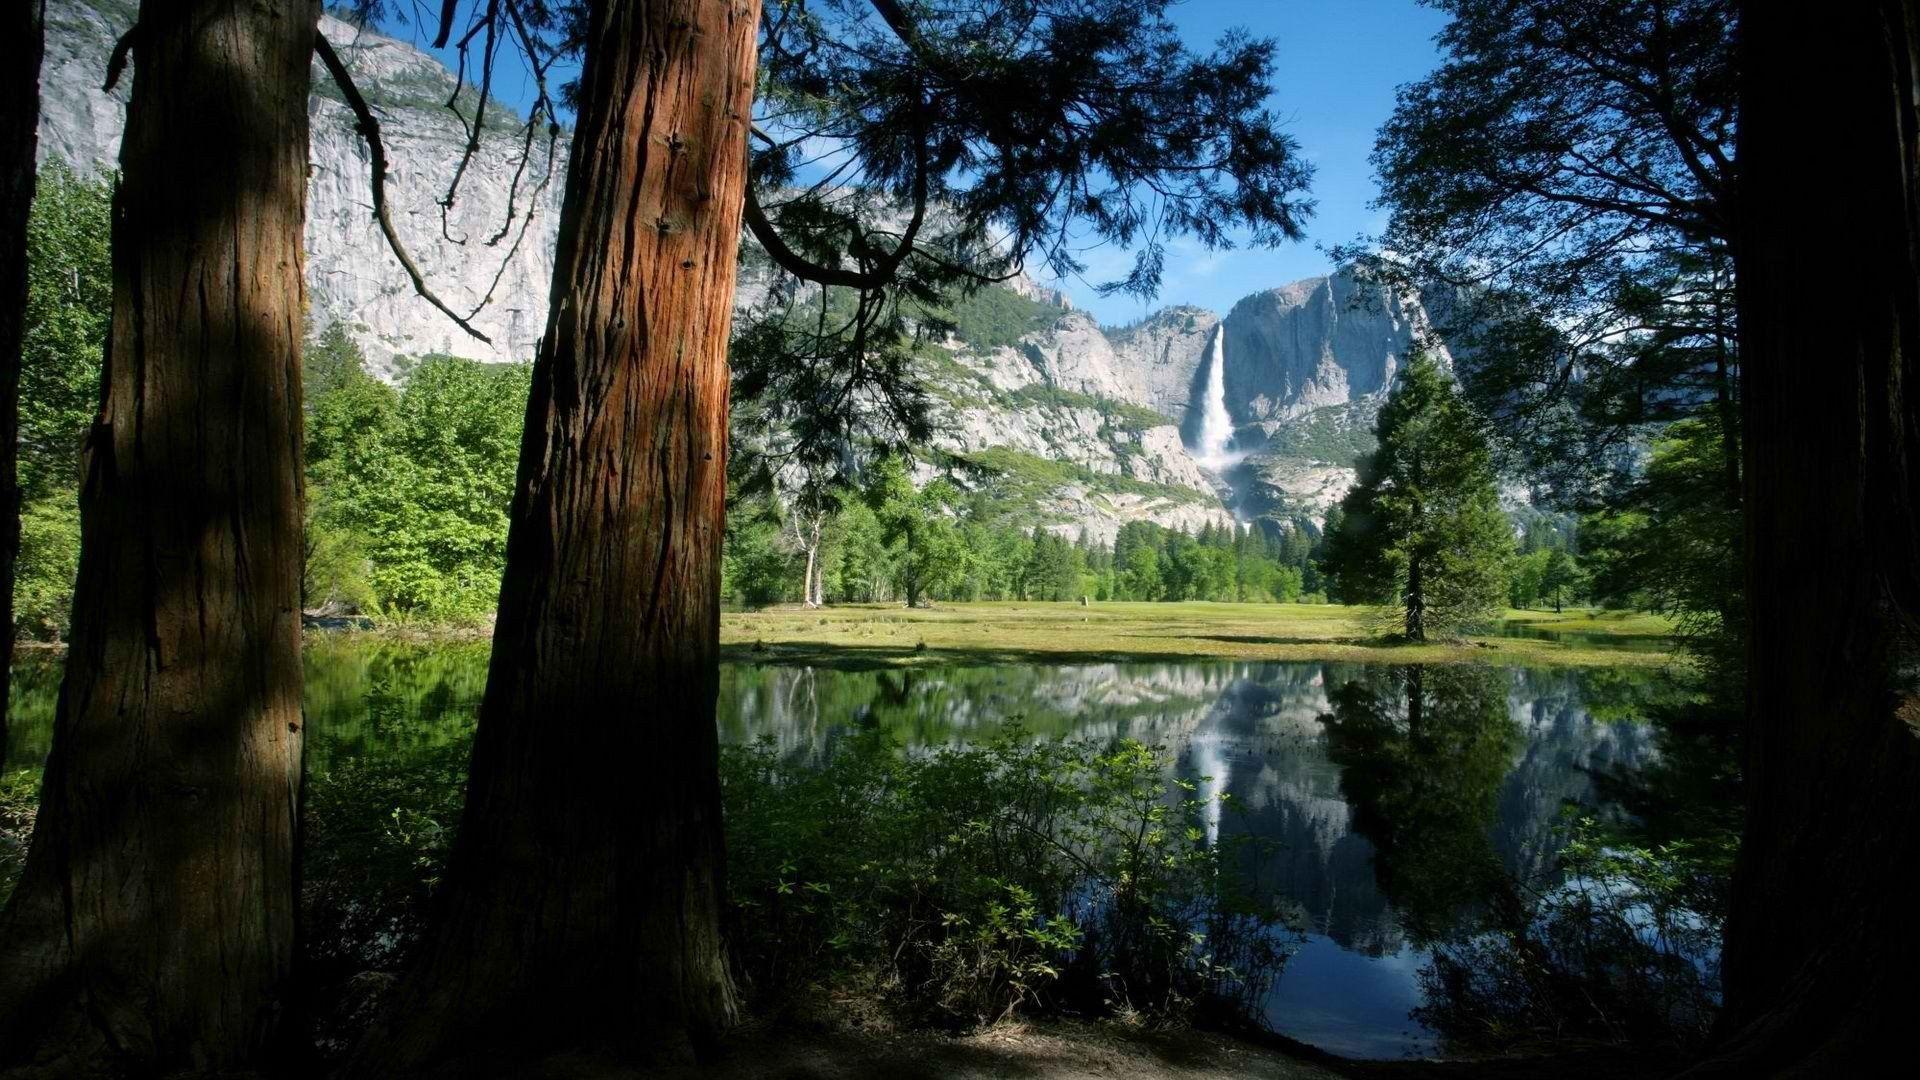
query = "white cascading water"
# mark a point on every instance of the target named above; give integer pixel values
(1216, 426)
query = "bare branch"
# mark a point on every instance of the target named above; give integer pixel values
(880, 274)
(369, 129)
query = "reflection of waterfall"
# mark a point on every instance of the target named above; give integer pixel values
(1216, 426)
(1210, 761)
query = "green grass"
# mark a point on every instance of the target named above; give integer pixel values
(886, 635)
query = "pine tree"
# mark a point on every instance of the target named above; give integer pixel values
(1422, 532)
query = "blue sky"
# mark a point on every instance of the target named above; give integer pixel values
(1337, 65)
(1336, 68)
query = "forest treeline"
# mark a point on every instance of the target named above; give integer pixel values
(409, 481)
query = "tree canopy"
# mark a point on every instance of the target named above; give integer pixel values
(1422, 531)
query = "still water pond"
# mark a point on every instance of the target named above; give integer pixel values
(1369, 812)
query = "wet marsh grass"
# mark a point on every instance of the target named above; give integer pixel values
(863, 635)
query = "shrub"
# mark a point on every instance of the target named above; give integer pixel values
(974, 881)
(19, 801)
(49, 559)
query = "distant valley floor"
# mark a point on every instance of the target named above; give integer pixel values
(890, 634)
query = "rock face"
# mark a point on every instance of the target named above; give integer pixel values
(1102, 419)
(351, 275)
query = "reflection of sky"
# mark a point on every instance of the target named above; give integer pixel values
(1349, 1003)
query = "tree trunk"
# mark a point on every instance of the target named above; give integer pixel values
(580, 911)
(812, 542)
(1821, 941)
(816, 567)
(1416, 601)
(153, 926)
(22, 37)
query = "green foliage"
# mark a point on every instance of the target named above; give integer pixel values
(898, 541)
(328, 362)
(69, 304)
(971, 882)
(1017, 477)
(1667, 545)
(1325, 434)
(49, 559)
(963, 883)
(19, 802)
(995, 316)
(1422, 531)
(420, 480)
(378, 829)
(757, 568)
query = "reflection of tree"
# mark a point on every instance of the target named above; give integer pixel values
(1422, 753)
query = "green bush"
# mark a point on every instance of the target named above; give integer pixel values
(971, 882)
(49, 558)
(19, 800)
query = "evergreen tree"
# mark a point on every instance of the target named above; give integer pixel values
(1559, 577)
(1422, 531)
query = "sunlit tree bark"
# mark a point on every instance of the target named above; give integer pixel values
(581, 905)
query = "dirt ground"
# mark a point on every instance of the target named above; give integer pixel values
(1051, 1051)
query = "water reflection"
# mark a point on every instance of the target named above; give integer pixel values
(1393, 801)
(1403, 802)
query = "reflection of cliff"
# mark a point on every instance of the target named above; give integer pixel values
(1254, 727)
(1564, 748)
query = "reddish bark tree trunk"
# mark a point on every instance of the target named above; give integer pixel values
(22, 38)
(153, 926)
(581, 905)
(1822, 944)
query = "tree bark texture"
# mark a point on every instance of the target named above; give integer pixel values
(1822, 944)
(580, 913)
(153, 928)
(22, 39)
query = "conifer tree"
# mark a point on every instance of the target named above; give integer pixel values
(1422, 532)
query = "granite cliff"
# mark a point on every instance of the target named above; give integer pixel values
(1096, 426)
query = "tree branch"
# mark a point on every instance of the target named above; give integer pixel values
(446, 23)
(117, 62)
(369, 129)
(880, 275)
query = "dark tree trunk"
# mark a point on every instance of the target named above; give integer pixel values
(581, 906)
(22, 36)
(1821, 941)
(153, 926)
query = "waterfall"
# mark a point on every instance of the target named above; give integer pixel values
(1216, 426)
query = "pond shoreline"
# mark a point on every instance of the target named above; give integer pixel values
(872, 636)
(865, 637)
